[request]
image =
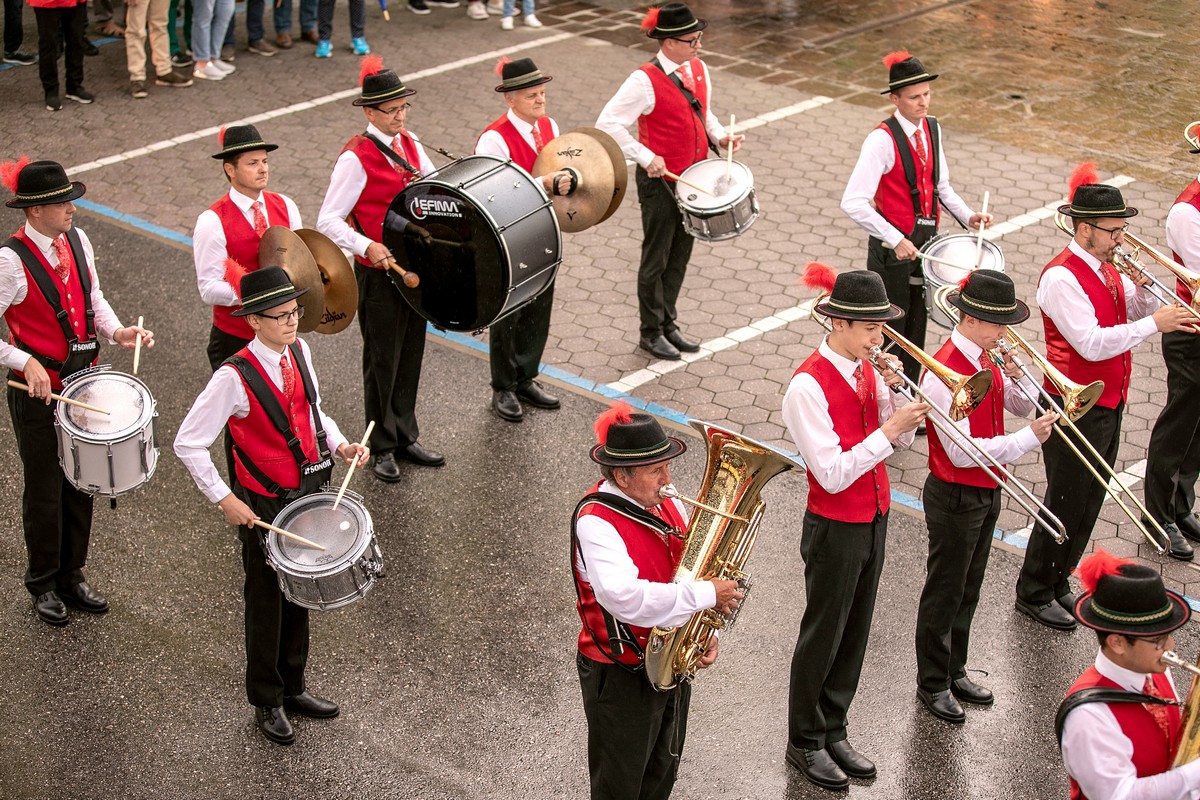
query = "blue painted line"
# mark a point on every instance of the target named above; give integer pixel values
(136, 222)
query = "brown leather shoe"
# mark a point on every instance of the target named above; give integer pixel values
(309, 36)
(283, 40)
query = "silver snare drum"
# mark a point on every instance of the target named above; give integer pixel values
(959, 250)
(106, 454)
(730, 208)
(337, 576)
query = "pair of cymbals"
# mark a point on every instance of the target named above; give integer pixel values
(313, 262)
(598, 159)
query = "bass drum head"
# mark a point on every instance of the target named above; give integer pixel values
(126, 399)
(344, 533)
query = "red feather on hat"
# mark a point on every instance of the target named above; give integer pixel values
(619, 414)
(819, 276)
(650, 21)
(963, 283)
(1096, 566)
(1084, 175)
(371, 65)
(500, 65)
(221, 136)
(896, 58)
(9, 171)
(234, 272)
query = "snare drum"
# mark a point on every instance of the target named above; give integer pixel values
(106, 454)
(341, 573)
(728, 211)
(494, 243)
(957, 248)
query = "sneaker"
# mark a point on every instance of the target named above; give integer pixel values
(172, 79)
(224, 66)
(208, 73)
(443, 3)
(81, 96)
(181, 60)
(19, 58)
(227, 53)
(506, 23)
(475, 10)
(283, 40)
(531, 21)
(53, 101)
(324, 49)
(138, 89)
(263, 48)
(360, 46)
(496, 9)
(418, 7)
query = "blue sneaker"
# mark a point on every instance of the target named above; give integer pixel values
(324, 49)
(361, 48)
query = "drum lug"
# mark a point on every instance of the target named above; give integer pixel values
(112, 471)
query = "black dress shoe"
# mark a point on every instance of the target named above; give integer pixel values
(969, 691)
(308, 705)
(50, 609)
(819, 767)
(385, 468)
(89, 49)
(1052, 615)
(852, 762)
(1189, 526)
(538, 397)
(274, 724)
(83, 597)
(1068, 601)
(506, 406)
(942, 705)
(419, 455)
(682, 344)
(1178, 549)
(659, 347)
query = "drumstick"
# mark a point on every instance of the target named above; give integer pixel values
(288, 534)
(411, 279)
(349, 472)
(22, 387)
(137, 348)
(700, 189)
(982, 225)
(729, 158)
(945, 261)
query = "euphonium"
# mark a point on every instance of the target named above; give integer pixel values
(717, 544)
(1189, 716)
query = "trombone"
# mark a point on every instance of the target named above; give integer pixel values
(1076, 400)
(966, 393)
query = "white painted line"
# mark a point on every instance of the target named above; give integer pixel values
(1133, 474)
(783, 113)
(142, 150)
(1013, 224)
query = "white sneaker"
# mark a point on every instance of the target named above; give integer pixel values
(228, 69)
(506, 23)
(208, 73)
(532, 21)
(496, 9)
(475, 10)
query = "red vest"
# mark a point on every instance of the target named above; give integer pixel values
(672, 130)
(893, 196)
(853, 421)
(1152, 753)
(241, 244)
(384, 182)
(986, 422)
(518, 149)
(1191, 196)
(33, 322)
(656, 561)
(1113, 371)
(254, 434)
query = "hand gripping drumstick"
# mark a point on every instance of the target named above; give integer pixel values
(288, 534)
(137, 347)
(411, 279)
(349, 472)
(24, 388)
(982, 226)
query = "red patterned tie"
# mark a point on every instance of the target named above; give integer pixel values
(289, 377)
(538, 142)
(260, 219)
(860, 384)
(1111, 279)
(1160, 713)
(63, 251)
(398, 149)
(920, 142)
(685, 75)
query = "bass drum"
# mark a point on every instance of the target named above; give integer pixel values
(481, 235)
(957, 248)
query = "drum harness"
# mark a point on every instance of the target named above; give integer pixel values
(691, 101)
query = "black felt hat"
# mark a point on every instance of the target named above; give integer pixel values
(241, 139)
(44, 183)
(671, 21)
(859, 295)
(989, 295)
(520, 74)
(1128, 598)
(905, 69)
(632, 439)
(265, 288)
(378, 84)
(1097, 200)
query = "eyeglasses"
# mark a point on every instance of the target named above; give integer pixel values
(395, 112)
(287, 316)
(1113, 232)
(1157, 642)
(693, 42)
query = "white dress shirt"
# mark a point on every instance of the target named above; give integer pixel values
(491, 143)
(1099, 756)
(346, 184)
(877, 157)
(209, 247)
(634, 99)
(14, 289)
(225, 396)
(806, 413)
(1063, 300)
(1183, 233)
(1005, 448)
(604, 562)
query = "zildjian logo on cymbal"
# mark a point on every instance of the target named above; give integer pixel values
(571, 152)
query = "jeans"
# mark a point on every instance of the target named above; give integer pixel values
(282, 17)
(526, 7)
(210, 19)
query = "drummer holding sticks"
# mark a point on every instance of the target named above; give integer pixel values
(48, 267)
(269, 397)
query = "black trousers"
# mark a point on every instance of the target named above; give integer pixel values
(222, 345)
(276, 630)
(961, 520)
(910, 297)
(70, 22)
(635, 733)
(842, 564)
(517, 342)
(666, 249)
(56, 517)
(1173, 458)
(14, 29)
(1075, 497)
(393, 347)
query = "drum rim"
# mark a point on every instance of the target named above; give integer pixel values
(149, 411)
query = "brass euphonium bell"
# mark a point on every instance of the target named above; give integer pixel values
(1189, 720)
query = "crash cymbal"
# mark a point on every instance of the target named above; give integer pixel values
(586, 155)
(620, 168)
(281, 247)
(341, 288)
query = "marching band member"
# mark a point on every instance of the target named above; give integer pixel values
(962, 502)
(898, 207)
(1093, 317)
(669, 99)
(626, 543)
(1119, 725)
(269, 397)
(372, 169)
(844, 423)
(48, 269)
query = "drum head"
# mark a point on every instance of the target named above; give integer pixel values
(959, 249)
(124, 397)
(344, 533)
(711, 175)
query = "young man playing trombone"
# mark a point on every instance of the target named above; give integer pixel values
(962, 500)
